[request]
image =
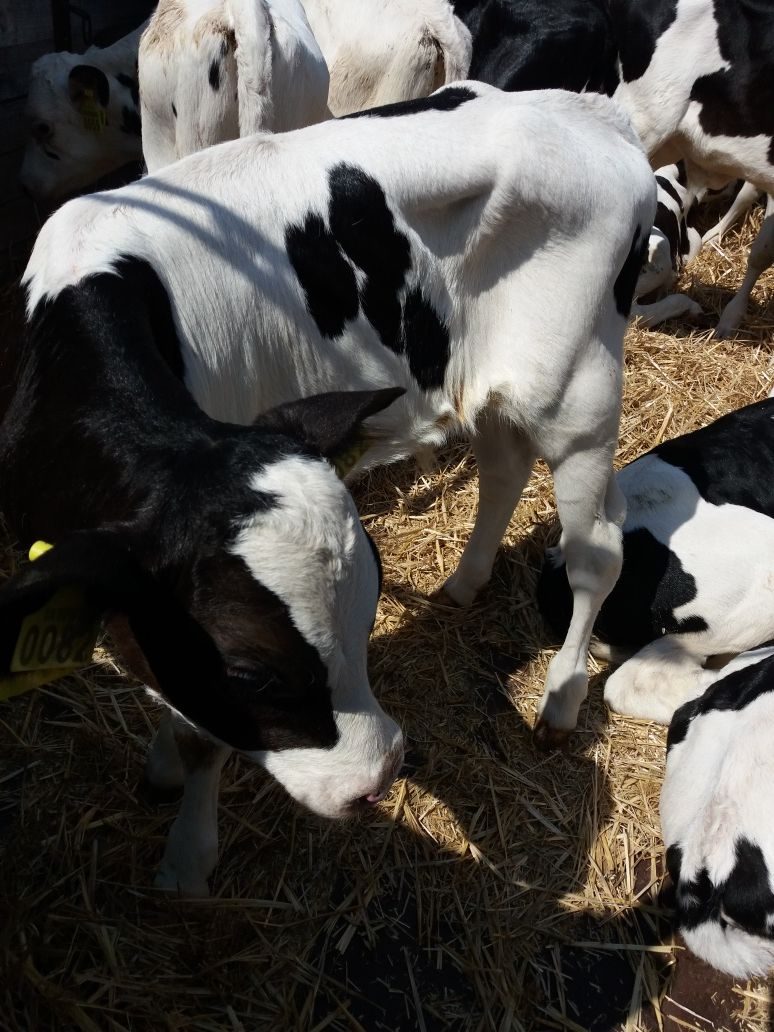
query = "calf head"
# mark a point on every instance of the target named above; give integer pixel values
(246, 603)
(83, 123)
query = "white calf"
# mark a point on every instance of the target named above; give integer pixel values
(385, 51)
(426, 249)
(227, 68)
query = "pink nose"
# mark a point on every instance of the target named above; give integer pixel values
(376, 797)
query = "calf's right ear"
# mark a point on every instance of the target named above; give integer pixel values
(89, 91)
(330, 423)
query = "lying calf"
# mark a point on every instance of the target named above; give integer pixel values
(673, 242)
(409, 246)
(716, 816)
(698, 559)
(228, 561)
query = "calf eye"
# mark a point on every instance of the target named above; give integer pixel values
(50, 154)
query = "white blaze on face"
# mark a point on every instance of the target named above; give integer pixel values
(310, 550)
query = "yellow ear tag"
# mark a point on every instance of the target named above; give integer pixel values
(92, 113)
(53, 641)
(346, 461)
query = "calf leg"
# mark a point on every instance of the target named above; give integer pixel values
(504, 463)
(192, 846)
(591, 509)
(743, 201)
(656, 681)
(164, 768)
(761, 257)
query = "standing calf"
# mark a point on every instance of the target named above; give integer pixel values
(229, 561)
(227, 68)
(464, 247)
(716, 816)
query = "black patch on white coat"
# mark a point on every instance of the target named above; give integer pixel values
(444, 100)
(214, 74)
(669, 224)
(739, 100)
(745, 896)
(534, 45)
(641, 607)
(174, 110)
(327, 278)
(669, 189)
(732, 459)
(735, 691)
(362, 234)
(638, 26)
(626, 280)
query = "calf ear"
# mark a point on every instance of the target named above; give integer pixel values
(70, 590)
(329, 423)
(90, 94)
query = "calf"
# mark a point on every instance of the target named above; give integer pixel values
(716, 816)
(229, 561)
(694, 76)
(408, 246)
(385, 51)
(674, 241)
(223, 69)
(697, 571)
(83, 115)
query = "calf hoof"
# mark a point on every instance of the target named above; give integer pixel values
(169, 880)
(548, 738)
(441, 597)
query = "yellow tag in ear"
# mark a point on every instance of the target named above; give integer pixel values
(346, 461)
(92, 112)
(53, 641)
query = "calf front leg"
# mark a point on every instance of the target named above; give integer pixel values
(504, 462)
(591, 509)
(191, 852)
(657, 680)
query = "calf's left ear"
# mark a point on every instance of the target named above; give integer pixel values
(329, 423)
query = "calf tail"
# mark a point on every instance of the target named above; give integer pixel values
(254, 31)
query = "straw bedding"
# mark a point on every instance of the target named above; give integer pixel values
(496, 888)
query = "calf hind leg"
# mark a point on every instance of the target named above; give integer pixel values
(504, 461)
(591, 509)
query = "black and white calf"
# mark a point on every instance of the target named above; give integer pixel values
(83, 117)
(697, 578)
(695, 77)
(411, 247)
(673, 242)
(229, 561)
(217, 70)
(716, 816)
